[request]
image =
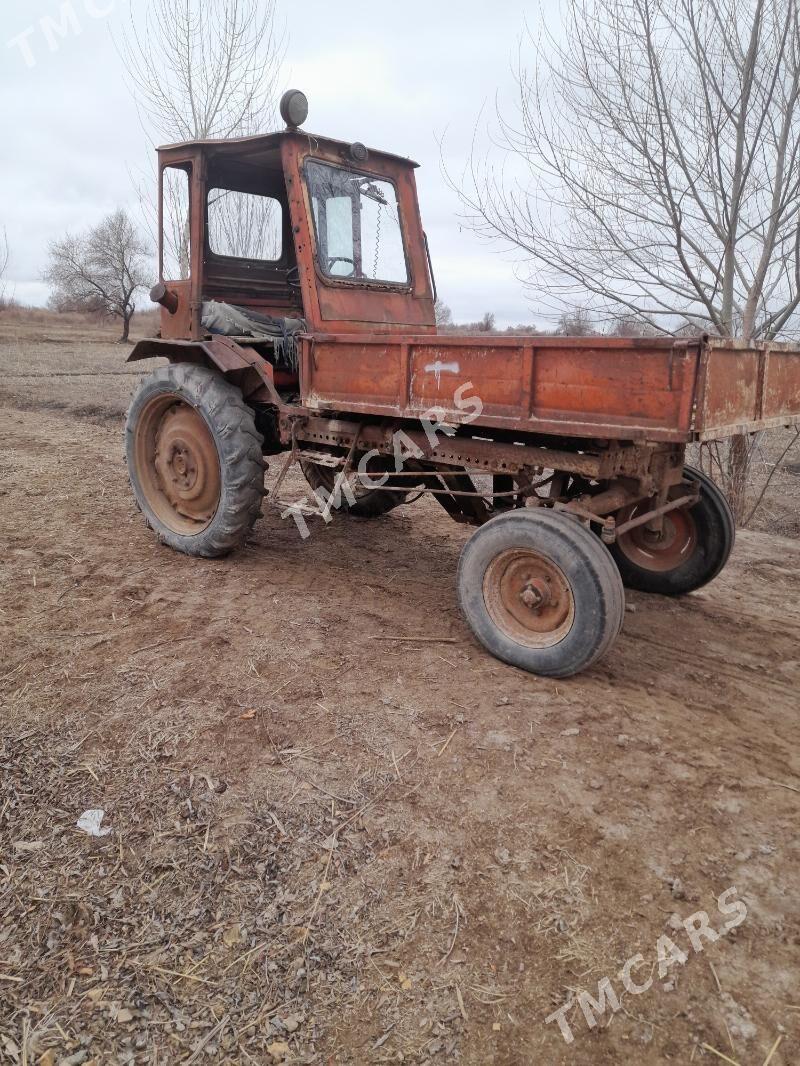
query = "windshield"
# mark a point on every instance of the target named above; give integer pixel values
(357, 223)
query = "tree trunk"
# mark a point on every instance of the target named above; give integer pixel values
(126, 328)
(738, 474)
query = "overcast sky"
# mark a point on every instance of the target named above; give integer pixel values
(397, 76)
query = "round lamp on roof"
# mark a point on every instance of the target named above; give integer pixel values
(294, 108)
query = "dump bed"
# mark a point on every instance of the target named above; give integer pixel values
(600, 387)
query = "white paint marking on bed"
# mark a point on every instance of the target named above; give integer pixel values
(438, 368)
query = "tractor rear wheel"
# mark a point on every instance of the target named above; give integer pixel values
(541, 592)
(194, 459)
(369, 503)
(691, 549)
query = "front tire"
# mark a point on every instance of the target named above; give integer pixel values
(541, 592)
(194, 459)
(694, 546)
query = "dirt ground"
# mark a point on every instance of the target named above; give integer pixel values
(343, 833)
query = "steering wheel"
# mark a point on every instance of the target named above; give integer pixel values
(341, 259)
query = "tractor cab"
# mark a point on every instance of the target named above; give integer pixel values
(264, 238)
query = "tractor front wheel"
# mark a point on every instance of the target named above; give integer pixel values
(194, 459)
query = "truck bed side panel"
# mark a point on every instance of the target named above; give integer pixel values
(597, 387)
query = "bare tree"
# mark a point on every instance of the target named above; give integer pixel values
(657, 152)
(100, 270)
(523, 329)
(628, 325)
(577, 322)
(200, 70)
(243, 225)
(4, 255)
(444, 316)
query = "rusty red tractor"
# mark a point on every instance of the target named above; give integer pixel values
(297, 319)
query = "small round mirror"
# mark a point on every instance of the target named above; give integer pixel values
(294, 108)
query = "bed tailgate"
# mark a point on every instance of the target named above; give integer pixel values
(744, 387)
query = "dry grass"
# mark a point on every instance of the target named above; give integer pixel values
(773, 491)
(228, 929)
(69, 363)
(35, 321)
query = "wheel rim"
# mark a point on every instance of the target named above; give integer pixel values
(528, 598)
(658, 552)
(177, 464)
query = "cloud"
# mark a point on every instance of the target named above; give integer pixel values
(398, 77)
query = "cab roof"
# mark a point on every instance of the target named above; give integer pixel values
(265, 145)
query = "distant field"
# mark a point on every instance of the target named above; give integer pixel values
(68, 363)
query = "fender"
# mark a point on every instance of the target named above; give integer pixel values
(240, 364)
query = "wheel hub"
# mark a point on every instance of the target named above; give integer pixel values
(183, 469)
(178, 464)
(536, 594)
(659, 551)
(528, 597)
(661, 539)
